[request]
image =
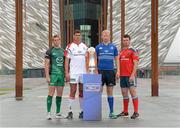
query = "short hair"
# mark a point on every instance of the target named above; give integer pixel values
(77, 31)
(105, 31)
(127, 36)
(55, 36)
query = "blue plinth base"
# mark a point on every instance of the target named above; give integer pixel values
(92, 97)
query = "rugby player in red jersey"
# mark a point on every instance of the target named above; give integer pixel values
(128, 62)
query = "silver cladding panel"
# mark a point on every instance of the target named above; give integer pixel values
(138, 26)
(35, 32)
(35, 22)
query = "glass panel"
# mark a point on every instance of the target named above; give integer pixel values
(86, 34)
(84, 11)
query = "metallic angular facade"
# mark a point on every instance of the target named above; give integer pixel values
(138, 25)
(35, 32)
(35, 22)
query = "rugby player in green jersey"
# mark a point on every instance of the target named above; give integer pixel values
(54, 72)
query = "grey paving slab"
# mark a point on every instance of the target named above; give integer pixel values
(162, 111)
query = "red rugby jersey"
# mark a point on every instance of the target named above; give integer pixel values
(126, 58)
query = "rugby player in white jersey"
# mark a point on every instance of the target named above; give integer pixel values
(75, 66)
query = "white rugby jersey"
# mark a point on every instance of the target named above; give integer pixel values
(77, 53)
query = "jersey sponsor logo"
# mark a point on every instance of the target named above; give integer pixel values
(79, 54)
(106, 57)
(59, 61)
(106, 53)
(79, 51)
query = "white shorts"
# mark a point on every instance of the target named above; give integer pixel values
(75, 78)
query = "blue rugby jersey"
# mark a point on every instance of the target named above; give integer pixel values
(106, 55)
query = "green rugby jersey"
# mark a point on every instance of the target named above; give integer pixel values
(56, 56)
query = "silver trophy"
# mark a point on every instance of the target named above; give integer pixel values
(91, 65)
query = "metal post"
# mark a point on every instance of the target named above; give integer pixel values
(105, 14)
(50, 23)
(154, 48)
(70, 30)
(71, 24)
(102, 16)
(111, 18)
(62, 21)
(99, 29)
(68, 23)
(19, 49)
(122, 20)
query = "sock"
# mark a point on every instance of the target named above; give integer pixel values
(125, 103)
(81, 103)
(49, 103)
(111, 102)
(71, 102)
(58, 104)
(135, 103)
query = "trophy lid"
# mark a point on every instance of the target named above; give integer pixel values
(91, 50)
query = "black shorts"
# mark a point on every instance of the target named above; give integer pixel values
(108, 77)
(124, 82)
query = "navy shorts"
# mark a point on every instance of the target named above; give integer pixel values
(108, 77)
(124, 82)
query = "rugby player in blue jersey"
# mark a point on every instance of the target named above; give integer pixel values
(106, 54)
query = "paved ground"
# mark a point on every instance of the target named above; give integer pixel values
(162, 111)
